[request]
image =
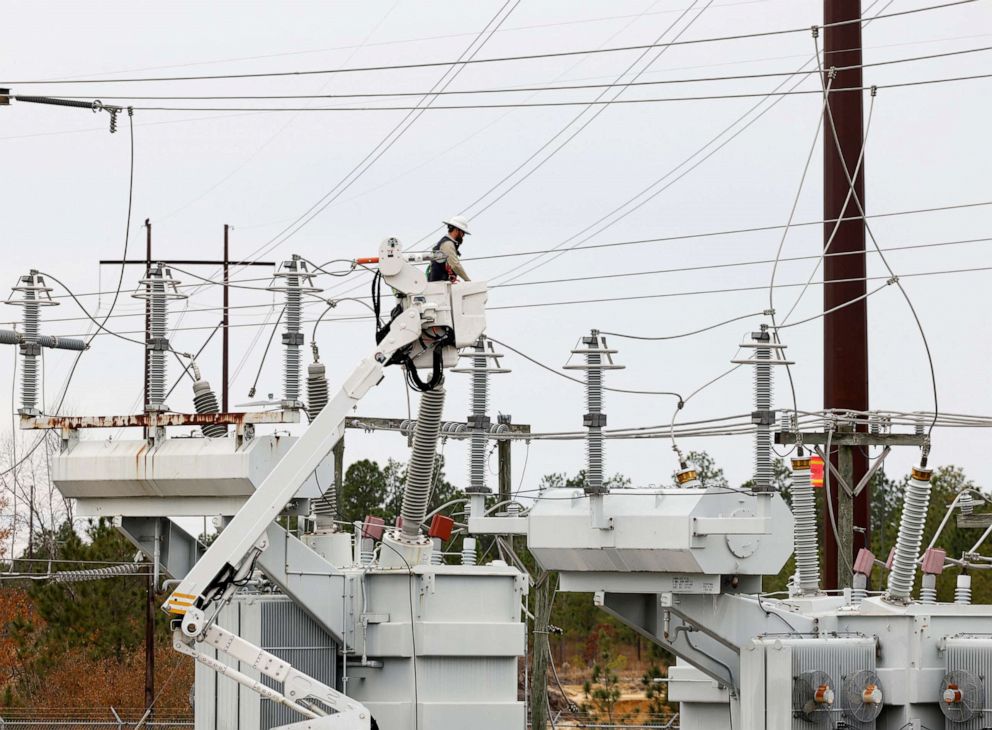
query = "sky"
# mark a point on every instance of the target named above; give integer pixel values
(65, 186)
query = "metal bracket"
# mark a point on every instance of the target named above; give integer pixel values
(875, 466)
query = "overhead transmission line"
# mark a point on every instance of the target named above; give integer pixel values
(332, 302)
(99, 325)
(606, 300)
(522, 89)
(551, 104)
(641, 241)
(597, 102)
(421, 39)
(560, 374)
(390, 138)
(885, 262)
(497, 59)
(86, 130)
(670, 177)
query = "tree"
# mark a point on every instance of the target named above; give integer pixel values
(559, 480)
(106, 616)
(603, 686)
(363, 492)
(370, 489)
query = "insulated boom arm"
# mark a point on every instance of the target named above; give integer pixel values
(458, 311)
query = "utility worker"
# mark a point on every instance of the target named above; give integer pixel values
(449, 267)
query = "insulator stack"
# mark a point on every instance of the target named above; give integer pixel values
(962, 591)
(158, 331)
(479, 424)
(597, 359)
(158, 288)
(915, 502)
(804, 527)
(468, 551)
(767, 353)
(83, 576)
(294, 279)
(316, 389)
(966, 503)
(932, 566)
(859, 591)
(205, 401)
(292, 352)
(32, 294)
(420, 471)
(763, 404)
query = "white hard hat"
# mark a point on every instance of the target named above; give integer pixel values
(459, 222)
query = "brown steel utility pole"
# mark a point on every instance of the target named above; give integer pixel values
(845, 332)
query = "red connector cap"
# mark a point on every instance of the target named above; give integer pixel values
(441, 527)
(933, 561)
(373, 527)
(864, 562)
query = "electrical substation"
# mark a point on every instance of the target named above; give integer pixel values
(299, 620)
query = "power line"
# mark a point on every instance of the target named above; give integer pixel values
(421, 39)
(636, 242)
(685, 334)
(499, 59)
(574, 279)
(390, 139)
(730, 232)
(101, 129)
(525, 89)
(595, 115)
(885, 262)
(581, 382)
(659, 185)
(551, 104)
(602, 300)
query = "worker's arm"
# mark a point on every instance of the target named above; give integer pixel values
(451, 257)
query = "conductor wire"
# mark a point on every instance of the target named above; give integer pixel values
(885, 262)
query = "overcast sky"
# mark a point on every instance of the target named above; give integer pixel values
(65, 186)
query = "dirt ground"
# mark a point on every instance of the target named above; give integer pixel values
(633, 704)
